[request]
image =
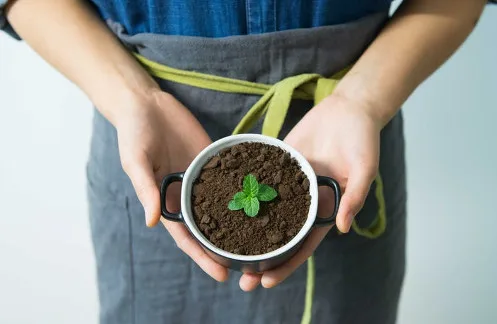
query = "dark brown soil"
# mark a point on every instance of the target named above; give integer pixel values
(277, 222)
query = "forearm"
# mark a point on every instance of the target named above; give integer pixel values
(418, 39)
(69, 35)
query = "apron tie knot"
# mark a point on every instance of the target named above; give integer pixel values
(275, 102)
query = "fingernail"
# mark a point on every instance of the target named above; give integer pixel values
(267, 282)
(148, 219)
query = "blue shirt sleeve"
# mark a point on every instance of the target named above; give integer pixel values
(4, 24)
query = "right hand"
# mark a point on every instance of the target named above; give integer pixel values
(157, 135)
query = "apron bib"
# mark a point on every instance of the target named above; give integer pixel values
(155, 282)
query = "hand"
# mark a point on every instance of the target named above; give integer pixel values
(157, 136)
(341, 139)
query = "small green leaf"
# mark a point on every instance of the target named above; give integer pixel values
(251, 207)
(250, 186)
(238, 201)
(266, 193)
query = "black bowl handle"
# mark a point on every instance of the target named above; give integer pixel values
(173, 177)
(333, 184)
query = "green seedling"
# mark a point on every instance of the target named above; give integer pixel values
(253, 192)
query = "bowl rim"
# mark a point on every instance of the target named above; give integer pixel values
(213, 149)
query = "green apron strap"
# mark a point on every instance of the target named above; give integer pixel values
(211, 82)
(278, 106)
(379, 224)
(324, 89)
(255, 113)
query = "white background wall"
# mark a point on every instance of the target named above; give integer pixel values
(46, 264)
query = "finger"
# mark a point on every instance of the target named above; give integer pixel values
(140, 170)
(187, 244)
(274, 277)
(353, 198)
(250, 281)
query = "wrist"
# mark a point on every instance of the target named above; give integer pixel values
(367, 98)
(116, 100)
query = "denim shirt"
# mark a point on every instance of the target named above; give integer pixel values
(220, 18)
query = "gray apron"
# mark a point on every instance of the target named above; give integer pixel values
(144, 278)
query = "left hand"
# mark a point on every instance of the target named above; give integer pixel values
(340, 138)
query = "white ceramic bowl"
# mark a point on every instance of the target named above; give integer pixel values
(247, 263)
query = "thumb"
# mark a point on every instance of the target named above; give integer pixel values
(140, 171)
(353, 198)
